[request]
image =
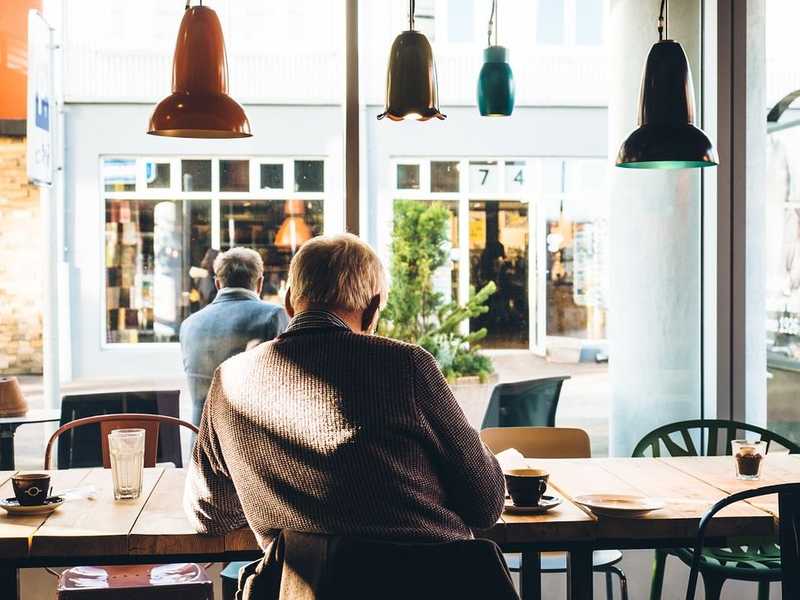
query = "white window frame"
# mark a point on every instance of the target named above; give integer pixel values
(175, 192)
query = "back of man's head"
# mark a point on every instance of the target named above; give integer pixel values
(239, 268)
(337, 272)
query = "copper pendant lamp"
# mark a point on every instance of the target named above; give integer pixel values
(667, 137)
(411, 88)
(199, 106)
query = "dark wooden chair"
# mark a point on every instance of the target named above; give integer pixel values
(712, 437)
(524, 403)
(81, 448)
(788, 536)
(188, 581)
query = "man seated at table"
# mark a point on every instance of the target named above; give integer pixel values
(236, 320)
(330, 429)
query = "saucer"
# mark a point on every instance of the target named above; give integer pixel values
(619, 505)
(545, 504)
(13, 507)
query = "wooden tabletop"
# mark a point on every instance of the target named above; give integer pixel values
(154, 525)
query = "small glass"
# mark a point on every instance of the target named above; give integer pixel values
(748, 457)
(126, 447)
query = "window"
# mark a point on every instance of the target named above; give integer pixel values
(550, 22)
(161, 236)
(460, 21)
(425, 18)
(589, 22)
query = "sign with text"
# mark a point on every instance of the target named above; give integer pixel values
(41, 104)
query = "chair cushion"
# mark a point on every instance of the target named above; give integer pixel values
(181, 581)
(556, 562)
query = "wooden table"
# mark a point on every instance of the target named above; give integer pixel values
(153, 528)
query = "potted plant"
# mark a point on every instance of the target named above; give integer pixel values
(416, 312)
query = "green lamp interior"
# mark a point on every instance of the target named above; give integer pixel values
(667, 164)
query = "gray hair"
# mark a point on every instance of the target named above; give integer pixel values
(339, 271)
(239, 267)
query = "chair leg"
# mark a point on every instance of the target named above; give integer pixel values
(623, 581)
(659, 566)
(763, 590)
(610, 586)
(713, 586)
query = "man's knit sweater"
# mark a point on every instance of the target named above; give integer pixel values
(324, 430)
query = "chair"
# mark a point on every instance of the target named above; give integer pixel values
(81, 448)
(331, 567)
(788, 536)
(184, 581)
(524, 403)
(555, 442)
(762, 563)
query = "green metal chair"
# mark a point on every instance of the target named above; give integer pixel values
(746, 562)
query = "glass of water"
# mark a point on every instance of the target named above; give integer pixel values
(126, 447)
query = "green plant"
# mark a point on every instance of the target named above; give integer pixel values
(416, 312)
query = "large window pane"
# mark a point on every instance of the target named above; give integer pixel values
(150, 247)
(550, 22)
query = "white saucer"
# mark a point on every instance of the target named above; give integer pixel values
(545, 504)
(13, 507)
(619, 505)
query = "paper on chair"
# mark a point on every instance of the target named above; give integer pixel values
(511, 459)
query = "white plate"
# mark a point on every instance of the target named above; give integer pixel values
(619, 505)
(545, 504)
(13, 507)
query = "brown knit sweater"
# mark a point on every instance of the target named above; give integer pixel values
(324, 430)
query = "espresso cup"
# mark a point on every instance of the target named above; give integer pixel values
(31, 489)
(526, 486)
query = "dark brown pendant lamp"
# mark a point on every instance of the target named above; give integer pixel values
(411, 89)
(667, 137)
(199, 106)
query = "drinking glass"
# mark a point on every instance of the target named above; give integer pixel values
(126, 447)
(748, 457)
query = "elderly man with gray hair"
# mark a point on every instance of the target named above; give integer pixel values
(236, 320)
(330, 429)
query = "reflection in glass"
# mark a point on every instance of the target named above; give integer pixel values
(196, 175)
(498, 251)
(272, 177)
(150, 247)
(444, 176)
(119, 175)
(309, 176)
(275, 229)
(234, 176)
(157, 174)
(407, 177)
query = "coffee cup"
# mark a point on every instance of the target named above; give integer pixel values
(31, 489)
(526, 486)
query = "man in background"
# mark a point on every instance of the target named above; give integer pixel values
(236, 320)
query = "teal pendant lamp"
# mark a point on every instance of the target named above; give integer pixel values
(667, 137)
(496, 80)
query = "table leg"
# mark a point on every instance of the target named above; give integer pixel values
(530, 576)
(7, 447)
(9, 582)
(579, 573)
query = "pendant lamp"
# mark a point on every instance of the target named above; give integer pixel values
(294, 231)
(496, 81)
(411, 89)
(667, 137)
(199, 106)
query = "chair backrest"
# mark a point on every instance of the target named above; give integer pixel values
(81, 447)
(329, 567)
(524, 403)
(539, 442)
(678, 439)
(108, 423)
(788, 535)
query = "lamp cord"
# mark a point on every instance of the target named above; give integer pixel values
(663, 22)
(411, 7)
(493, 19)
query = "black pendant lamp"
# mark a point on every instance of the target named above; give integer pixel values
(667, 137)
(495, 81)
(411, 89)
(199, 106)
